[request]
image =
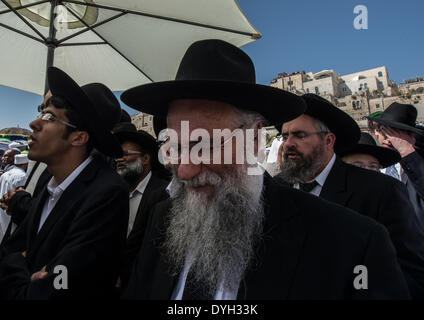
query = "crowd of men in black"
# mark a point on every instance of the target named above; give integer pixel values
(98, 202)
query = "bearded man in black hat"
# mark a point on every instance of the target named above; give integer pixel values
(71, 242)
(395, 129)
(310, 144)
(229, 231)
(139, 167)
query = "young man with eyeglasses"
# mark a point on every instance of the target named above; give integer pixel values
(139, 167)
(71, 242)
(310, 145)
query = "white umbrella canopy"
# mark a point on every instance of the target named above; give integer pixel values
(121, 43)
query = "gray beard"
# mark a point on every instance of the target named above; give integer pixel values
(131, 172)
(302, 170)
(217, 232)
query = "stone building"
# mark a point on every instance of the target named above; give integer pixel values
(144, 121)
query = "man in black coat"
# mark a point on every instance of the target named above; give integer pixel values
(229, 231)
(139, 167)
(71, 242)
(309, 163)
(395, 130)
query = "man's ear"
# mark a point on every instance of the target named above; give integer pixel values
(330, 140)
(79, 138)
(145, 159)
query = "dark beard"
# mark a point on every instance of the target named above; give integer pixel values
(302, 170)
(218, 232)
(132, 172)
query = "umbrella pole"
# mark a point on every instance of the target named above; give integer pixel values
(51, 42)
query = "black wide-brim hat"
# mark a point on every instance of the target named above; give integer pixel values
(367, 145)
(343, 126)
(147, 143)
(399, 116)
(95, 104)
(216, 70)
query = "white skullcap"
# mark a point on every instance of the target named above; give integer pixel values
(21, 158)
(16, 146)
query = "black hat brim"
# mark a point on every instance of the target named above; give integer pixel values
(396, 125)
(274, 104)
(60, 84)
(346, 130)
(385, 156)
(146, 144)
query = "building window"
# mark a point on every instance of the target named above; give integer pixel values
(360, 86)
(380, 74)
(290, 83)
(366, 85)
(358, 105)
(377, 105)
(307, 90)
(316, 90)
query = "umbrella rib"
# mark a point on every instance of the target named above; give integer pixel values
(90, 27)
(21, 32)
(25, 6)
(107, 42)
(252, 35)
(23, 19)
(81, 44)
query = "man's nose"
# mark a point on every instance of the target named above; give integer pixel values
(119, 160)
(35, 125)
(188, 171)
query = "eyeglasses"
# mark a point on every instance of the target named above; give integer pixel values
(50, 117)
(300, 135)
(130, 152)
(372, 166)
(204, 149)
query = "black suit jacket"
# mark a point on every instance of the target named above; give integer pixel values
(413, 178)
(85, 232)
(155, 192)
(309, 250)
(384, 199)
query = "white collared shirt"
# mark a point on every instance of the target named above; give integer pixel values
(135, 198)
(55, 191)
(221, 293)
(398, 169)
(320, 179)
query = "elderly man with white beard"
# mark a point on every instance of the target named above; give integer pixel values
(228, 233)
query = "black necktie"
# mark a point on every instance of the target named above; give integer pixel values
(307, 187)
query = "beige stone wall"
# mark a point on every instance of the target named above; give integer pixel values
(144, 121)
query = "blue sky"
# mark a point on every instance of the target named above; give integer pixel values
(305, 35)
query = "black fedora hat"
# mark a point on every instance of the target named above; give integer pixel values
(125, 117)
(346, 130)
(399, 116)
(147, 143)
(159, 123)
(96, 105)
(367, 145)
(215, 70)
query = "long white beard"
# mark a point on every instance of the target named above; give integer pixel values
(217, 232)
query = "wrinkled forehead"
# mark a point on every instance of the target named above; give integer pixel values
(191, 114)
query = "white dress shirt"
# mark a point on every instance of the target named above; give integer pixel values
(320, 179)
(55, 191)
(135, 198)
